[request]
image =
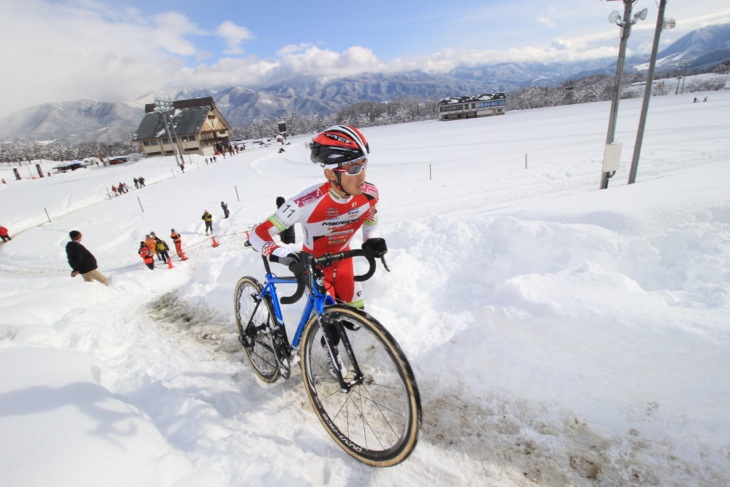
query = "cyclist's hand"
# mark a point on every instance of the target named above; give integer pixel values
(375, 245)
(288, 260)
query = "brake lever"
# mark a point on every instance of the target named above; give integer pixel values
(382, 259)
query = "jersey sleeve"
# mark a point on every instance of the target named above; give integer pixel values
(262, 236)
(370, 224)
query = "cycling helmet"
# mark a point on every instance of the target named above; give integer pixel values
(339, 144)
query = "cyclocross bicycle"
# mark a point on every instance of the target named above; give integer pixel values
(367, 399)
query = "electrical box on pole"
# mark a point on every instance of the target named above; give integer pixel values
(611, 157)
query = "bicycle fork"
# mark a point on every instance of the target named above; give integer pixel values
(333, 334)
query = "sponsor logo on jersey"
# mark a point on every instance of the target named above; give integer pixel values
(337, 241)
(268, 248)
(339, 223)
(308, 198)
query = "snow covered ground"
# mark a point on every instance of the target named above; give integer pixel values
(560, 335)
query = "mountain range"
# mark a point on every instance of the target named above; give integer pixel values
(107, 122)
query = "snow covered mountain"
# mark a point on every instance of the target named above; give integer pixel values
(85, 120)
(702, 48)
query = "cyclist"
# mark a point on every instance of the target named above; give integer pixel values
(330, 213)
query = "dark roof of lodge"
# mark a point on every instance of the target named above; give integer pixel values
(187, 118)
(467, 99)
(186, 121)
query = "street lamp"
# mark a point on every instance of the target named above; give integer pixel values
(163, 106)
(612, 153)
(660, 24)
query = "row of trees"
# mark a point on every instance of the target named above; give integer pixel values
(28, 150)
(363, 114)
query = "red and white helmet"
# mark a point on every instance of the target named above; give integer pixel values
(339, 144)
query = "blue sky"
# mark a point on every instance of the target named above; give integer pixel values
(103, 50)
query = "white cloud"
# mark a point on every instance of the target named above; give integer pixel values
(96, 49)
(170, 31)
(545, 21)
(293, 49)
(234, 35)
(89, 50)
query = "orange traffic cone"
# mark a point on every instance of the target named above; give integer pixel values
(215, 243)
(169, 263)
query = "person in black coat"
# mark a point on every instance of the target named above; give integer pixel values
(287, 236)
(82, 261)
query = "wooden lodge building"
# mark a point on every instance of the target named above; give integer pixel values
(196, 127)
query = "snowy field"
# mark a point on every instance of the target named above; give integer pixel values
(560, 335)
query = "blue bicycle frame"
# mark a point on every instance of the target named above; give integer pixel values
(316, 301)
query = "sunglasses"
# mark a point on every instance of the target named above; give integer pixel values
(353, 169)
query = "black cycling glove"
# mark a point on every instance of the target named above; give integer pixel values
(376, 245)
(290, 259)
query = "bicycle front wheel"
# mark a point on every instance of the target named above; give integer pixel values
(377, 418)
(255, 322)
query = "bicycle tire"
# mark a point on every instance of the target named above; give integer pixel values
(260, 353)
(378, 420)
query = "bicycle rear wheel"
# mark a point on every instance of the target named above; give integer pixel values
(377, 420)
(255, 322)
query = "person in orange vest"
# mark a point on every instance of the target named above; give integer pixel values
(149, 241)
(177, 240)
(147, 256)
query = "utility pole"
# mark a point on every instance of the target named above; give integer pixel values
(625, 25)
(647, 90)
(163, 106)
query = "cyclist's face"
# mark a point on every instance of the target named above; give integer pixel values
(352, 184)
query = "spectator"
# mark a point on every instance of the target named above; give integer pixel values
(225, 210)
(177, 240)
(82, 261)
(4, 234)
(208, 219)
(147, 256)
(162, 249)
(149, 241)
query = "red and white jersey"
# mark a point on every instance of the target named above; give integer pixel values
(328, 221)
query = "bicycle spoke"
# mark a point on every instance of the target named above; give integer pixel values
(378, 415)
